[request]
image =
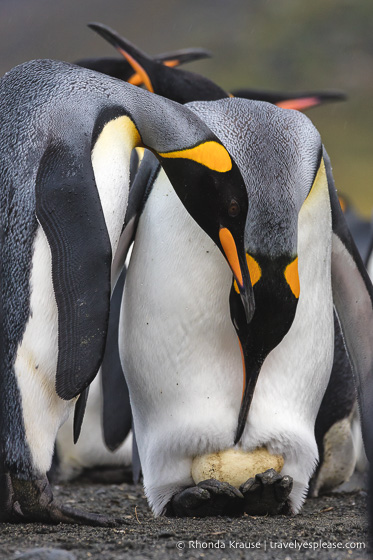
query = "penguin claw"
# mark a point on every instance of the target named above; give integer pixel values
(208, 498)
(26, 501)
(267, 493)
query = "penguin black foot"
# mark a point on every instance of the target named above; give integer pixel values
(267, 493)
(208, 498)
(26, 501)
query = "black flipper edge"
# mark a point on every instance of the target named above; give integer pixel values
(69, 210)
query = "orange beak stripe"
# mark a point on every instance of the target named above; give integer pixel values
(138, 69)
(292, 277)
(230, 250)
(298, 104)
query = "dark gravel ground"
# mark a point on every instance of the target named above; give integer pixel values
(330, 521)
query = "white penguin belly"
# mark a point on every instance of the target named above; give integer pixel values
(36, 362)
(178, 346)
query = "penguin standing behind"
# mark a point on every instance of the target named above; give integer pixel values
(67, 136)
(184, 368)
(337, 429)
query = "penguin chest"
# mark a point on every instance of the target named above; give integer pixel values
(295, 374)
(37, 352)
(179, 347)
(36, 361)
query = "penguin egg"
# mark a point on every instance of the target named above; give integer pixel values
(234, 465)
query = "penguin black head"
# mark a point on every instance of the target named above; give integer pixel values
(278, 153)
(173, 83)
(120, 68)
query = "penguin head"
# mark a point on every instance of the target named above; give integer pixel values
(210, 186)
(158, 77)
(122, 69)
(278, 154)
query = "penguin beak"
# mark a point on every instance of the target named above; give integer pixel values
(238, 264)
(247, 298)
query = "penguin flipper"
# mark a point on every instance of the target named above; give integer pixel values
(79, 411)
(353, 300)
(69, 211)
(116, 407)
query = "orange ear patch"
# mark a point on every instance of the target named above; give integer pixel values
(292, 277)
(254, 269)
(211, 154)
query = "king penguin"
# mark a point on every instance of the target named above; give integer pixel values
(67, 136)
(106, 437)
(181, 352)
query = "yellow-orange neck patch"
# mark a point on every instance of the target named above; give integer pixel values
(292, 277)
(230, 250)
(211, 154)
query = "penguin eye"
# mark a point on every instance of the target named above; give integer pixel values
(234, 208)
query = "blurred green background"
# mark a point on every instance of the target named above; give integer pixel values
(274, 44)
